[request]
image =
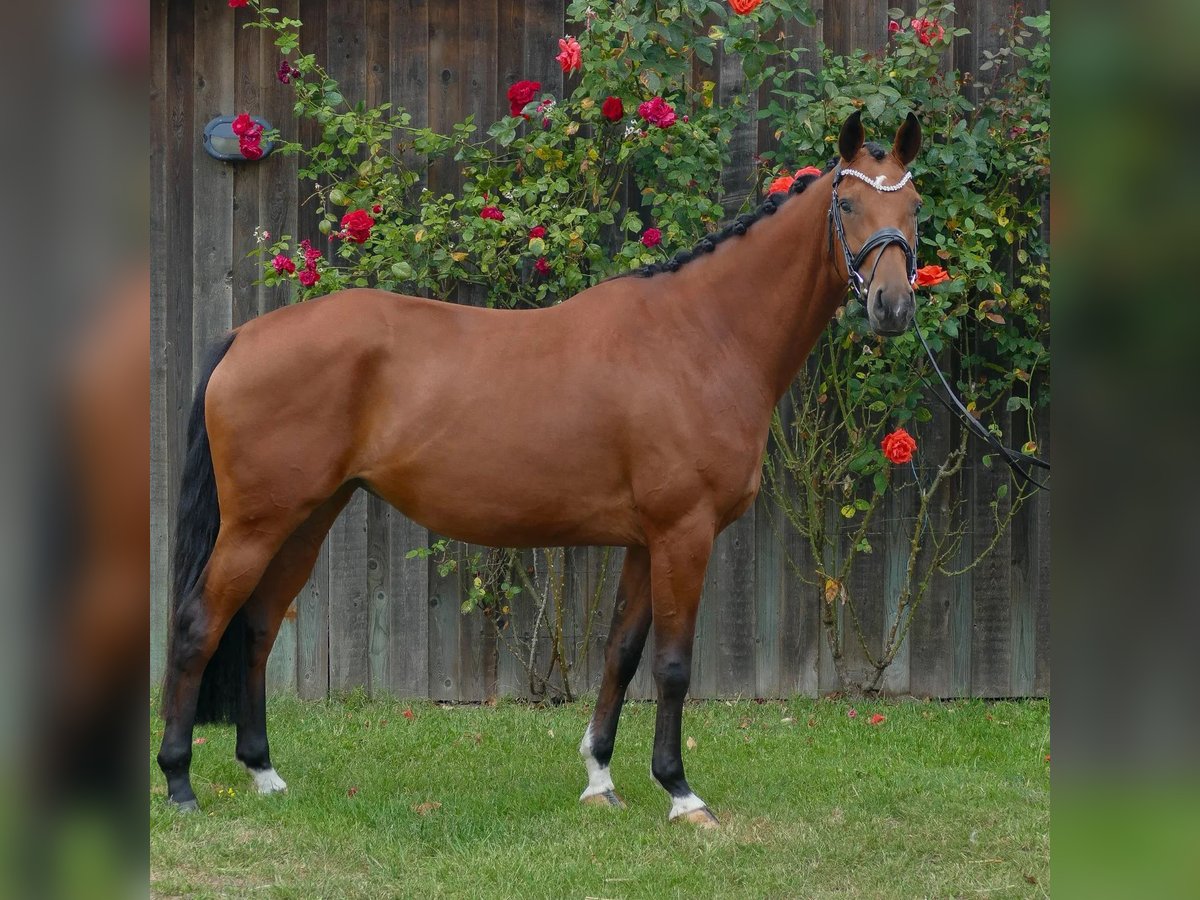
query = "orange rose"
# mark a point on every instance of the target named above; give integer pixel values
(741, 7)
(781, 185)
(808, 170)
(927, 276)
(899, 446)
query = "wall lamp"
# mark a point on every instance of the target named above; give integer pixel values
(221, 143)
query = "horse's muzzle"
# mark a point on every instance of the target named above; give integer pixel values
(891, 312)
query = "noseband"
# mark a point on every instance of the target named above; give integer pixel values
(881, 239)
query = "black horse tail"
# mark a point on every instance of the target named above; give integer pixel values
(197, 522)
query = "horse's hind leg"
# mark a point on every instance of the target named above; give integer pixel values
(284, 578)
(626, 639)
(239, 559)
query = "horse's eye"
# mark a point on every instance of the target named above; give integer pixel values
(846, 206)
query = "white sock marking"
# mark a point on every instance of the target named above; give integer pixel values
(267, 781)
(685, 804)
(599, 778)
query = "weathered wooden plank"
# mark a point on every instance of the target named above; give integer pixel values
(511, 677)
(991, 662)
(1024, 586)
(545, 23)
(379, 599)
(349, 601)
(282, 663)
(604, 575)
(444, 77)
(737, 175)
(1041, 678)
(278, 183)
(836, 24)
(409, 49)
(212, 182)
(769, 601)
(899, 524)
(577, 601)
(737, 625)
(930, 641)
(705, 655)
(408, 649)
(250, 88)
(160, 249)
(312, 631)
(866, 588)
(510, 49)
(827, 676)
(445, 599)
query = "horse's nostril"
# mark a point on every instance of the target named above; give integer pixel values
(879, 305)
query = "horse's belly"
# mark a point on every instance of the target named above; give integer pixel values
(516, 510)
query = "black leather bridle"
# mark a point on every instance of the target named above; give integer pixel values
(882, 239)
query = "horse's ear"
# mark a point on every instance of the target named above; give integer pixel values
(908, 140)
(851, 139)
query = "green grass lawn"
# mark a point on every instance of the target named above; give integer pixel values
(940, 800)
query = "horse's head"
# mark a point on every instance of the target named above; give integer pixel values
(873, 215)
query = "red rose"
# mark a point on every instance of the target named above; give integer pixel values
(283, 264)
(491, 212)
(651, 237)
(234, 4)
(542, 267)
(893, 27)
(242, 124)
(311, 253)
(251, 149)
(377, 209)
(286, 71)
(782, 184)
(571, 55)
(928, 30)
(877, 719)
(657, 111)
(537, 231)
(612, 109)
(520, 94)
(808, 170)
(356, 226)
(927, 276)
(309, 276)
(899, 446)
(741, 7)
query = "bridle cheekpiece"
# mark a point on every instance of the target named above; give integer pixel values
(883, 238)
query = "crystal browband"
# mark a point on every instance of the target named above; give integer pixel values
(877, 181)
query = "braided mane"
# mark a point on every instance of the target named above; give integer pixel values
(738, 226)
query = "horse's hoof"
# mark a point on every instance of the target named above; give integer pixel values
(607, 798)
(701, 818)
(185, 806)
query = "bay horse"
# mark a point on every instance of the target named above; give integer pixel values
(634, 415)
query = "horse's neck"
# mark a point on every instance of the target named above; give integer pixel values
(772, 291)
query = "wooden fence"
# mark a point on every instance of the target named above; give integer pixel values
(370, 616)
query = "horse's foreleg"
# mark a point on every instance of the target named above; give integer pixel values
(238, 561)
(284, 578)
(626, 638)
(678, 561)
